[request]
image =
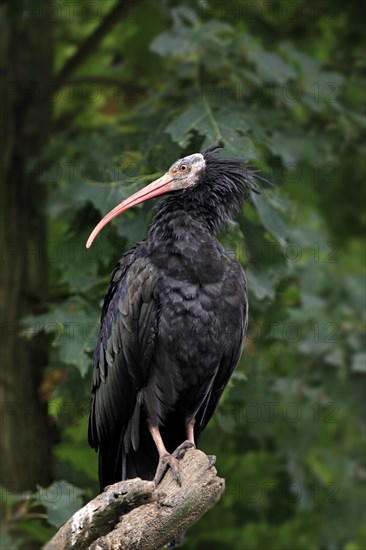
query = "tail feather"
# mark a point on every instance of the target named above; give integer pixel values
(115, 464)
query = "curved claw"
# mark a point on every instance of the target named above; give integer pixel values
(165, 462)
(181, 450)
(211, 461)
(171, 461)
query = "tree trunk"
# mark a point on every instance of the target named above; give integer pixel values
(26, 50)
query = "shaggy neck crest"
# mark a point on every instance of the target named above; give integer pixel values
(222, 187)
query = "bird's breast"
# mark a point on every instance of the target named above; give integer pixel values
(199, 311)
(199, 323)
(190, 260)
(202, 302)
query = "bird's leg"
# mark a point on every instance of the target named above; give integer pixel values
(166, 460)
(189, 442)
(190, 430)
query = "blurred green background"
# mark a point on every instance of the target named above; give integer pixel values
(100, 97)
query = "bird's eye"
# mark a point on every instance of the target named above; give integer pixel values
(183, 168)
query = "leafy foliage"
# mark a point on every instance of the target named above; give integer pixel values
(275, 86)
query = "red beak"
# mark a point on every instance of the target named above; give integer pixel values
(158, 187)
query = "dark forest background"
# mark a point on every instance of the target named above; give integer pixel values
(97, 99)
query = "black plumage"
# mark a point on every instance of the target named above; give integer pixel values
(173, 322)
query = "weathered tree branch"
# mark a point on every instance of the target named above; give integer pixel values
(137, 515)
(101, 514)
(115, 16)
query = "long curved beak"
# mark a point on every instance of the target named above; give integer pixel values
(158, 187)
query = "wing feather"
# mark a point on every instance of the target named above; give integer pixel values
(231, 356)
(124, 350)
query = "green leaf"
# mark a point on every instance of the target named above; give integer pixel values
(74, 328)
(8, 541)
(61, 500)
(270, 66)
(75, 451)
(359, 362)
(229, 127)
(190, 38)
(271, 218)
(192, 118)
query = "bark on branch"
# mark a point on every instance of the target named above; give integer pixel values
(137, 515)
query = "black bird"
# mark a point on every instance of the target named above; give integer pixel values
(173, 322)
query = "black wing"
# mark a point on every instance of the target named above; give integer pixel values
(229, 359)
(122, 361)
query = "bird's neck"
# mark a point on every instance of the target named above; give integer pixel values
(186, 213)
(181, 242)
(174, 224)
